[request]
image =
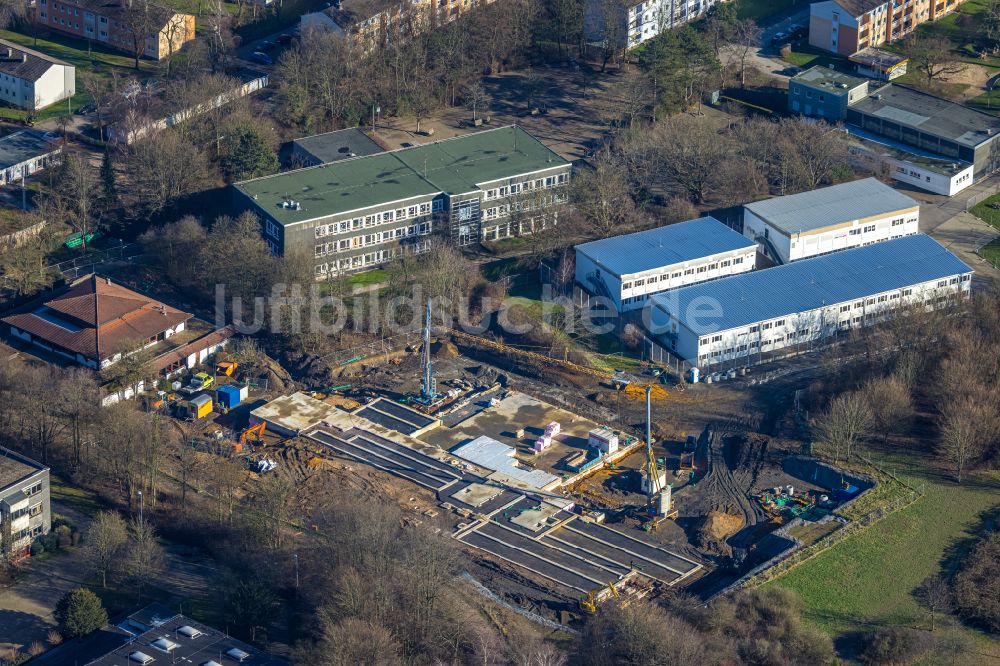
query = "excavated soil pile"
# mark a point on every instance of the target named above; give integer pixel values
(715, 528)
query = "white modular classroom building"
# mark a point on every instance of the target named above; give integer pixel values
(629, 269)
(736, 320)
(832, 218)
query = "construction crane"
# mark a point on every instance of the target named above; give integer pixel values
(427, 393)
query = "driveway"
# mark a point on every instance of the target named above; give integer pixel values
(26, 608)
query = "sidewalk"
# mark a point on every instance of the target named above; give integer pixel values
(964, 234)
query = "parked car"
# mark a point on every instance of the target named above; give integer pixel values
(261, 57)
(267, 45)
(86, 109)
(199, 381)
(778, 39)
(284, 39)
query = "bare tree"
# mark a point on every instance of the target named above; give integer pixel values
(932, 56)
(935, 594)
(846, 423)
(689, 154)
(891, 404)
(602, 198)
(144, 553)
(79, 398)
(745, 39)
(476, 100)
(967, 425)
(105, 543)
(138, 21)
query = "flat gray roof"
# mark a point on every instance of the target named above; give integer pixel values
(829, 206)
(828, 79)
(14, 467)
(930, 114)
(339, 145)
(23, 145)
(664, 246)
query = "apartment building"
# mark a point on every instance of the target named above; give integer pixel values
(640, 21)
(31, 80)
(375, 22)
(359, 213)
(25, 513)
(743, 319)
(115, 24)
(831, 218)
(848, 26)
(629, 269)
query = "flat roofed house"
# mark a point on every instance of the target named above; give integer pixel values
(629, 269)
(821, 92)
(31, 80)
(25, 512)
(117, 24)
(930, 123)
(879, 64)
(359, 213)
(740, 320)
(25, 153)
(831, 218)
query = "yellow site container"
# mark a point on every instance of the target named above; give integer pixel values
(201, 406)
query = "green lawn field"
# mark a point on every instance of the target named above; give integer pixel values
(867, 581)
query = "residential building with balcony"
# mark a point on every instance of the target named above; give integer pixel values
(640, 21)
(848, 26)
(25, 512)
(120, 24)
(359, 213)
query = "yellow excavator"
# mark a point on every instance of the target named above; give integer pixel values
(589, 603)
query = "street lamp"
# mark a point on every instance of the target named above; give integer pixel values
(375, 109)
(140, 506)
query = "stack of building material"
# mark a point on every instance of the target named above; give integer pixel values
(542, 443)
(552, 429)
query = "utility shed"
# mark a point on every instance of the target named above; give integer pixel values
(291, 414)
(628, 269)
(497, 456)
(831, 218)
(741, 319)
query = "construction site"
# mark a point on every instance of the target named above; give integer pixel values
(566, 485)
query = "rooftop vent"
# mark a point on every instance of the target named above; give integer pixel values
(238, 654)
(189, 631)
(140, 657)
(165, 644)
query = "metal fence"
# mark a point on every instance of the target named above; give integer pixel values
(74, 268)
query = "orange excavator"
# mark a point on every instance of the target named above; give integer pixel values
(256, 431)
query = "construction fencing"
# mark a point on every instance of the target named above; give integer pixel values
(74, 268)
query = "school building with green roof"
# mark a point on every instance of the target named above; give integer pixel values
(359, 213)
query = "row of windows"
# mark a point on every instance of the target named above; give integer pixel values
(385, 217)
(516, 188)
(345, 244)
(369, 259)
(503, 210)
(690, 271)
(871, 302)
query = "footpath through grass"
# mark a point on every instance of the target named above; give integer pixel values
(867, 581)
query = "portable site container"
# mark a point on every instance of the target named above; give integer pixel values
(230, 396)
(200, 406)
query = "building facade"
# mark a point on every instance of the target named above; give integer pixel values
(838, 217)
(25, 512)
(848, 26)
(638, 21)
(356, 214)
(381, 22)
(822, 92)
(740, 320)
(629, 269)
(911, 167)
(31, 80)
(116, 24)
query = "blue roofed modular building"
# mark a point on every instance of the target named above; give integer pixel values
(629, 269)
(741, 320)
(832, 218)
